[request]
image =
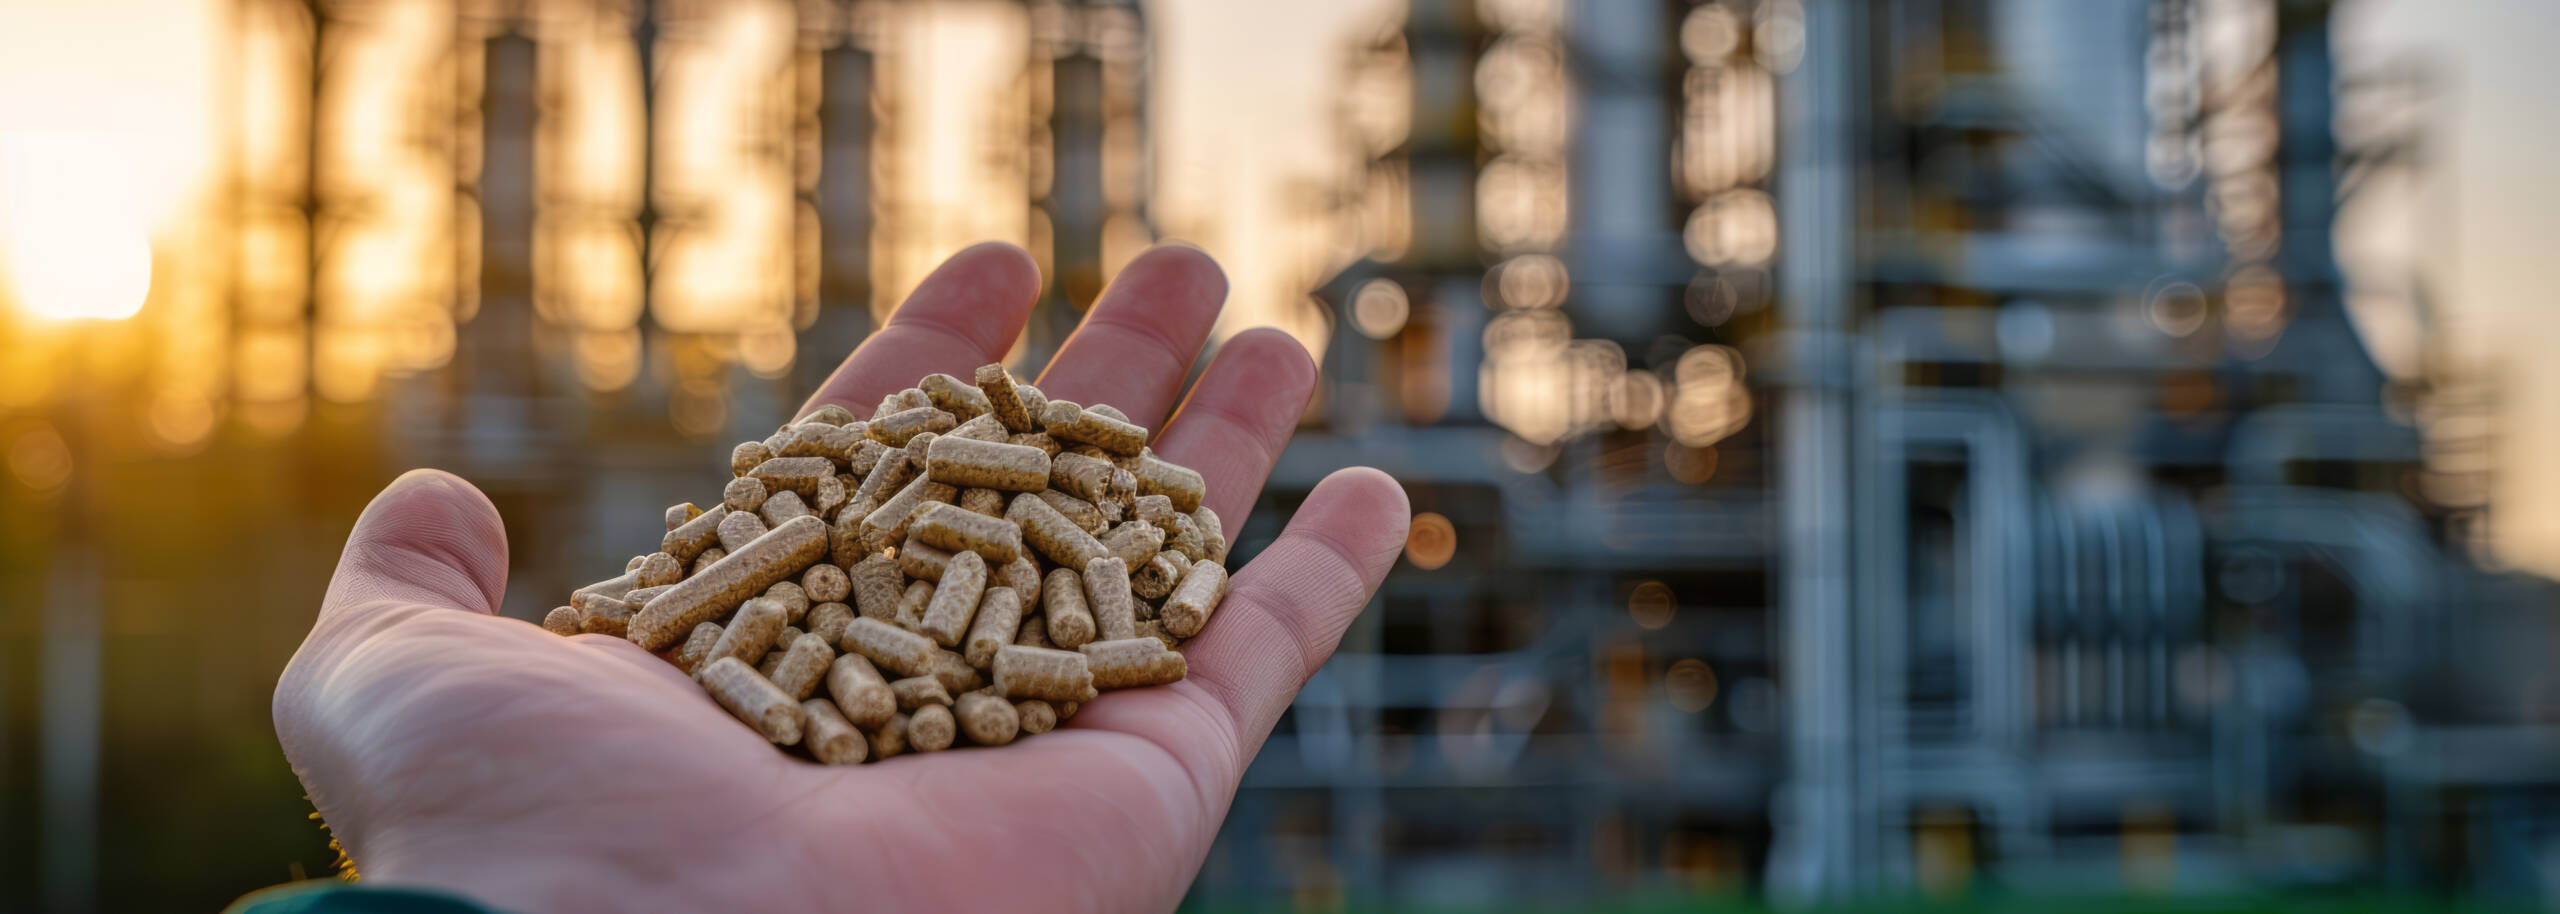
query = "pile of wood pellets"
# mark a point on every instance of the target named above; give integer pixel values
(1006, 556)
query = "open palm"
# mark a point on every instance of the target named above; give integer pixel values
(449, 746)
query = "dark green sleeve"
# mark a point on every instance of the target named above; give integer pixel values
(330, 896)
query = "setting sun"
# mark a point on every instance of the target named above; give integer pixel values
(67, 251)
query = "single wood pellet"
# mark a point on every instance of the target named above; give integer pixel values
(970, 565)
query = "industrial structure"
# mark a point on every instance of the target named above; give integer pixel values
(1888, 446)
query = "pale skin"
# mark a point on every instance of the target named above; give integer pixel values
(450, 747)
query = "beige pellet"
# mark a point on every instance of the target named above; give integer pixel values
(845, 546)
(931, 729)
(1068, 422)
(714, 591)
(911, 606)
(746, 456)
(773, 442)
(897, 428)
(640, 596)
(1037, 716)
(954, 528)
(893, 473)
(989, 464)
(754, 699)
(659, 569)
(890, 520)
(614, 587)
(1081, 512)
(1146, 609)
(1154, 628)
(955, 672)
(561, 620)
(751, 633)
(1070, 618)
(1033, 402)
(818, 439)
(1043, 673)
(832, 739)
(1134, 661)
(903, 400)
(1184, 537)
(695, 536)
(1090, 478)
(680, 512)
(832, 494)
(986, 719)
(1213, 531)
(952, 395)
(1023, 575)
(765, 667)
(828, 414)
(633, 566)
(889, 738)
(1004, 399)
(1202, 586)
(918, 691)
(605, 616)
(803, 666)
(1108, 411)
(1060, 540)
(1038, 440)
(783, 639)
(999, 619)
(891, 648)
(1157, 577)
(794, 474)
(983, 428)
(1107, 594)
(866, 456)
(1155, 509)
(745, 493)
(697, 646)
(827, 621)
(955, 599)
(1034, 632)
(989, 502)
(860, 692)
(708, 558)
(825, 583)
(877, 584)
(794, 600)
(740, 528)
(1134, 542)
(1157, 476)
(922, 561)
(780, 507)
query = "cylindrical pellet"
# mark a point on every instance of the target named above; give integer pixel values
(1154, 628)
(1212, 530)
(982, 428)
(794, 474)
(1090, 478)
(740, 528)
(1069, 422)
(1157, 577)
(918, 691)
(561, 620)
(931, 729)
(827, 414)
(911, 606)
(1157, 476)
(955, 672)
(890, 520)
(1129, 662)
(1033, 402)
(1134, 542)
(605, 616)
(795, 602)
(640, 596)
(1039, 440)
(922, 561)
(1070, 618)
(680, 512)
(1004, 399)
(832, 738)
(831, 495)
(952, 395)
(1023, 575)
(1052, 534)
(825, 583)
(955, 599)
(866, 456)
(860, 691)
(1078, 511)
(1154, 509)
(745, 493)
(1107, 594)
(827, 621)
(1037, 716)
(1043, 673)
(614, 587)
(780, 507)
(898, 428)
(986, 719)
(988, 464)
(1184, 537)
(1195, 598)
(714, 591)
(804, 666)
(999, 618)
(877, 584)
(751, 632)
(783, 639)
(746, 456)
(889, 738)
(697, 647)
(1034, 632)
(954, 528)
(754, 699)
(989, 502)
(1108, 411)
(893, 649)
(708, 558)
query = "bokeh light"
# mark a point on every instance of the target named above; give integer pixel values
(1651, 605)
(1431, 541)
(1690, 685)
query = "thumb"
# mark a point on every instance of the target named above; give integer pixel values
(429, 539)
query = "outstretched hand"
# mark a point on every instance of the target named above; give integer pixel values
(449, 746)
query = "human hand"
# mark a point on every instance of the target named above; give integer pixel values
(448, 746)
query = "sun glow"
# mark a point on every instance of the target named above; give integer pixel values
(74, 243)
